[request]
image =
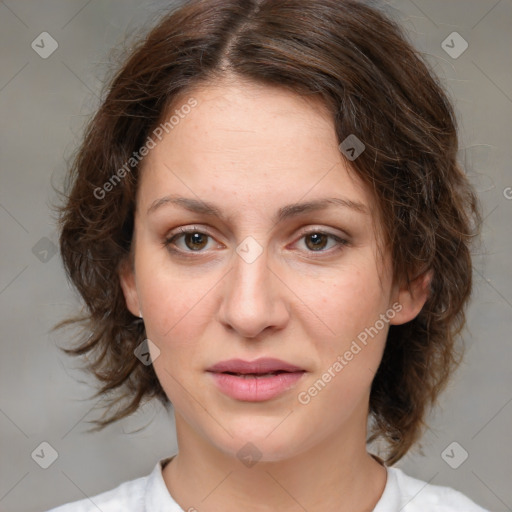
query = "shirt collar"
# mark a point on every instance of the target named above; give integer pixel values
(159, 499)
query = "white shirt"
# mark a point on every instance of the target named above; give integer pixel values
(150, 494)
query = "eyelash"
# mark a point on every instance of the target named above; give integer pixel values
(340, 242)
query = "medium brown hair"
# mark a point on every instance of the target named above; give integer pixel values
(378, 88)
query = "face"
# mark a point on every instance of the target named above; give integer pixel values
(254, 239)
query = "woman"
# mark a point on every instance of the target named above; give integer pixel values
(270, 230)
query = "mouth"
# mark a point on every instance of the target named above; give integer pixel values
(257, 375)
(255, 381)
(262, 366)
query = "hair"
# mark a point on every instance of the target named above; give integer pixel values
(377, 87)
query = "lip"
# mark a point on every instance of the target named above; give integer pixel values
(255, 388)
(261, 365)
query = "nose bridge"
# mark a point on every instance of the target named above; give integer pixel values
(250, 276)
(252, 300)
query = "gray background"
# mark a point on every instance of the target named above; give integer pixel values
(44, 398)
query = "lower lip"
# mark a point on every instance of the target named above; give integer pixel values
(255, 389)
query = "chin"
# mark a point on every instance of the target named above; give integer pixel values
(261, 441)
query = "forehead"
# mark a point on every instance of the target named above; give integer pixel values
(252, 142)
(242, 117)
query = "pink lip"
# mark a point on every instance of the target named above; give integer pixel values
(255, 388)
(261, 365)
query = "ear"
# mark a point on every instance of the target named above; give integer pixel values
(127, 279)
(412, 299)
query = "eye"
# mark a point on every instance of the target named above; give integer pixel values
(193, 239)
(317, 241)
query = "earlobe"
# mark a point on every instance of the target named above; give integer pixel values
(127, 280)
(412, 300)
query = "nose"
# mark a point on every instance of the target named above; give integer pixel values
(253, 297)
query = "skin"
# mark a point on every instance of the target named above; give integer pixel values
(252, 149)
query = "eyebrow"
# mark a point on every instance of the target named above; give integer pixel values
(286, 212)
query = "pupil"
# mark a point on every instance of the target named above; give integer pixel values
(317, 239)
(197, 239)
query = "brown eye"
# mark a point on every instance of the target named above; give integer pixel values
(195, 241)
(192, 241)
(318, 241)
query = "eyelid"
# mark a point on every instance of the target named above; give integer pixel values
(341, 240)
(323, 230)
(187, 230)
(303, 231)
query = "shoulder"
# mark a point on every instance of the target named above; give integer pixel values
(146, 493)
(129, 496)
(417, 495)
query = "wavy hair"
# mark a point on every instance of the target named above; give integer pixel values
(357, 60)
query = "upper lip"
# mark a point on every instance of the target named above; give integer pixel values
(262, 365)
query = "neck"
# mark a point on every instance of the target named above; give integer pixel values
(336, 475)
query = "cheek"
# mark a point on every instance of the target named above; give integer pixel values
(175, 318)
(350, 304)
(350, 301)
(350, 355)
(175, 303)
